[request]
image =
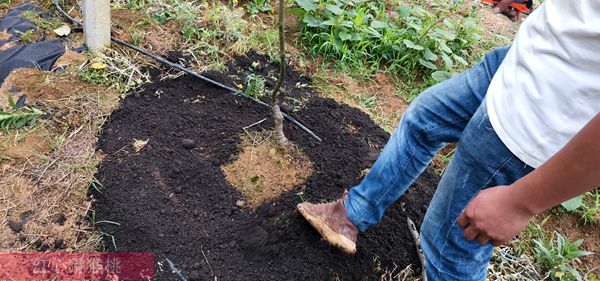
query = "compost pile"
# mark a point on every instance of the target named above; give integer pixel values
(175, 202)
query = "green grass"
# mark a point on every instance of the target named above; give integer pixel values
(44, 24)
(17, 118)
(590, 209)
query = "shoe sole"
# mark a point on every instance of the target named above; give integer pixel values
(333, 238)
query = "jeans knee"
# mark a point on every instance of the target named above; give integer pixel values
(415, 118)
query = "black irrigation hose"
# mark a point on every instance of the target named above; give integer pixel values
(193, 73)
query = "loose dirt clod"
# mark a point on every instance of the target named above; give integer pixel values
(188, 143)
(15, 226)
(58, 243)
(195, 275)
(59, 219)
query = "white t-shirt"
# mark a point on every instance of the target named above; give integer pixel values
(548, 86)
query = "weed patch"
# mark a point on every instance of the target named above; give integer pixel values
(404, 38)
(558, 257)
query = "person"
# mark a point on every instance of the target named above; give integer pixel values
(527, 126)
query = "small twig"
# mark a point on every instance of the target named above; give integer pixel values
(209, 267)
(121, 149)
(415, 235)
(254, 124)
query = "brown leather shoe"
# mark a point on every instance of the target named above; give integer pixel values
(332, 223)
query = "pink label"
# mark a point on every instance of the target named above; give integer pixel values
(76, 266)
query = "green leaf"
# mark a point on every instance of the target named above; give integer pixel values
(358, 20)
(336, 10)
(373, 32)
(295, 11)
(445, 47)
(308, 5)
(404, 11)
(440, 76)
(311, 21)
(460, 59)
(449, 23)
(429, 55)
(573, 203)
(344, 35)
(427, 64)
(11, 102)
(347, 24)
(447, 61)
(581, 253)
(328, 22)
(412, 45)
(378, 24)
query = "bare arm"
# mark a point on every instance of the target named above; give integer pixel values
(499, 213)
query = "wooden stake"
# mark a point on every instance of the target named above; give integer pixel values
(96, 24)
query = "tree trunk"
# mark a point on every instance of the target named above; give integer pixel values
(277, 116)
(278, 119)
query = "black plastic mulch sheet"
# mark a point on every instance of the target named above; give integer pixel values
(40, 55)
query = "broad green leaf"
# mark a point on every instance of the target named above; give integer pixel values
(440, 76)
(336, 10)
(347, 23)
(308, 5)
(311, 21)
(443, 34)
(460, 59)
(449, 23)
(412, 45)
(358, 20)
(429, 55)
(329, 22)
(21, 123)
(295, 11)
(447, 61)
(427, 64)
(404, 11)
(345, 35)
(573, 203)
(445, 47)
(378, 24)
(373, 32)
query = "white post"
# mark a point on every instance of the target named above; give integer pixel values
(96, 24)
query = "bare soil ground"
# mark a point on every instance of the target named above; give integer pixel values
(263, 170)
(45, 172)
(213, 236)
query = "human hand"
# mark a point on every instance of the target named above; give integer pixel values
(495, 215)
(504, 8)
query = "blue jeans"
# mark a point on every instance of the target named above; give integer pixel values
(450, 112)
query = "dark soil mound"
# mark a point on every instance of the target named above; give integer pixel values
(176, 203)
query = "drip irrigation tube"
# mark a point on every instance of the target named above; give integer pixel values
(193, 73)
